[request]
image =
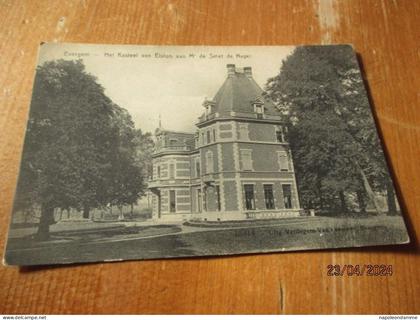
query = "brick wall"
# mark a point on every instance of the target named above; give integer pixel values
(227, 157)
(204, 150)
(264, 156)
(231, 198)
(262, 132)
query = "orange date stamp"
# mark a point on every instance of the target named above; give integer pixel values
(371, 270)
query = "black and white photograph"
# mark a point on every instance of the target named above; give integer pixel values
(146, 152)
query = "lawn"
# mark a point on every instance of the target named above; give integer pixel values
(311, 233)
(169, 241)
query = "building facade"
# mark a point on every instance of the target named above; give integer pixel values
(237, 165)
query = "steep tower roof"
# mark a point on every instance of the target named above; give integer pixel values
(239, 92)
(238, 97)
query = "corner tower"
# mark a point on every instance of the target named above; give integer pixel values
(246, 165)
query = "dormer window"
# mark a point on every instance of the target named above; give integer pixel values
(208, 105)
(208, 109)
(259, 108)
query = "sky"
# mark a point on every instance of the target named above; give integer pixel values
(170, 81)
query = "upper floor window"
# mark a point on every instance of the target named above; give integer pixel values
(214, 135)
(203, 142)
(208, 136)
(280, 134)
(246, 159)
(209, 162)
(172, 170)
(283, 160)
(158, 171)
(243, 131)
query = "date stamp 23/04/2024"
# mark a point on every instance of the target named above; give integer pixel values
(359, 270)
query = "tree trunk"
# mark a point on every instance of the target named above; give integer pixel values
(369, 190)
(321, 202)
(361, 200)
(132, 209)
(121, 215)
(343, 202)
(86, 211)
(390, 197)
(46, 219)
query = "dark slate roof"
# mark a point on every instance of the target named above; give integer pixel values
(238, 93)
(179, 139)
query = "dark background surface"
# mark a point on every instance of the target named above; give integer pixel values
(384, 33)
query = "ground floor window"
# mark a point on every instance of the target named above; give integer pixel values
(287, 195)
(197, 168)
(199, 200)
(218, 198)
(249, 196)
(172, 201)
(268, 196)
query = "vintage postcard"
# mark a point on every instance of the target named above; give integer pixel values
(145, 152)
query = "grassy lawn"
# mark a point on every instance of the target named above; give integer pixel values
(297, 235)
(170, 241)
(92, 235)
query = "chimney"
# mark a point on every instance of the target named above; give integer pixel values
(248, 72)
(230, 70)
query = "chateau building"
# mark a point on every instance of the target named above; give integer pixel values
(237, 165)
